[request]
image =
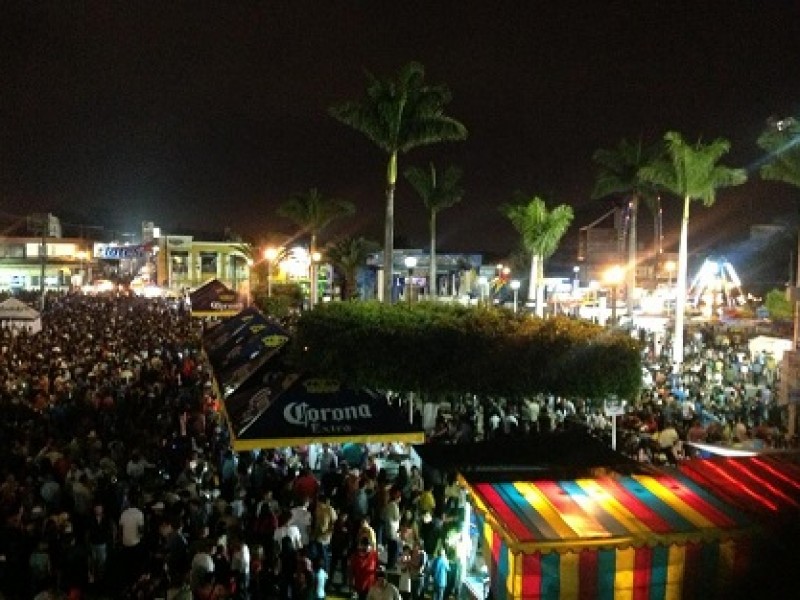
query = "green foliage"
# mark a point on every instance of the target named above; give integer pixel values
(347, 256)
(779, 307)
(312, 212)
(541, 229)
(286, 298)
(691, 171)
(783, 147)
(439, 349)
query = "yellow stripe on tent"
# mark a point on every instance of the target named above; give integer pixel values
(613, 506)
(541, 504)
(623, 578)
(511, 569)
(517, 591)
(675, 567)
(669, 498)
(569, 576)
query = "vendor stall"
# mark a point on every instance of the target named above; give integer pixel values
(610, 535)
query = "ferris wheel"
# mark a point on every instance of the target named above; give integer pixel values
(716, 285)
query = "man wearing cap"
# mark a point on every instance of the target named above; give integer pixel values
(382, 589)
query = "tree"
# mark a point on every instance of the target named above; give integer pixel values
(312, 212)
(541, 232)
(347, 256)
(437, 193)
(690, 172)
(399, 115)
(619, 174)
(782, 143)
(779, 307)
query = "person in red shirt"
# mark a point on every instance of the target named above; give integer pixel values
(305, 486)
(363, 564)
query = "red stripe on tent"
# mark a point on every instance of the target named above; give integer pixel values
(761, 482)
(531, 575)
(717, 517)
(507, 516)
(587, 567)
(777, 470)
(639, 509)
(692, 567)
(712, 476)
(642, 568)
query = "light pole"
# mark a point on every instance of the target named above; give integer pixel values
(270, 254)
(410, 262)
(613, 278)
(670, 267)
(576, 281)
(515, 289)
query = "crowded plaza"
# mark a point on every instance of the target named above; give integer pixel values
(119, 479)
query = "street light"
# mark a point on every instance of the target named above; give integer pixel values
(613, 277)
(576, 281)
(410, 262)
(315, 258)
(515, 289)
(270, 254)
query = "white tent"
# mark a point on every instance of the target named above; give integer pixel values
(770, 345)
(18, 315)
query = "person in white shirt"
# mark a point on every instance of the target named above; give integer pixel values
(134, 553)
(301, 518)
(240, 565)
(290, 530)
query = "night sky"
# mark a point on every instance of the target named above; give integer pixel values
(203, 115)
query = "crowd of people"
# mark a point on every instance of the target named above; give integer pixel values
(117, 479)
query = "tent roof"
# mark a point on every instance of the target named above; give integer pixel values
(215, 299)
(544, 515)
(11, 308)
(291, 410)
(765, 485)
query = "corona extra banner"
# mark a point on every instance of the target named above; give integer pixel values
(290, 410)
(215, 299)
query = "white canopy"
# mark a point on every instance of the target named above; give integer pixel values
(18, 315)
(770, 345)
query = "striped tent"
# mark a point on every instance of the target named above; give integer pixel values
(639, 536)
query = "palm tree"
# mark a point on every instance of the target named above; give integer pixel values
(782, 142)
(399, 115)
(690, 172)
(541, 231)
(437, 193)
(347, 256)
(312, 212)
(619, 174)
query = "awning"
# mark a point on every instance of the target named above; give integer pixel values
(215, 299)
(292, 410)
